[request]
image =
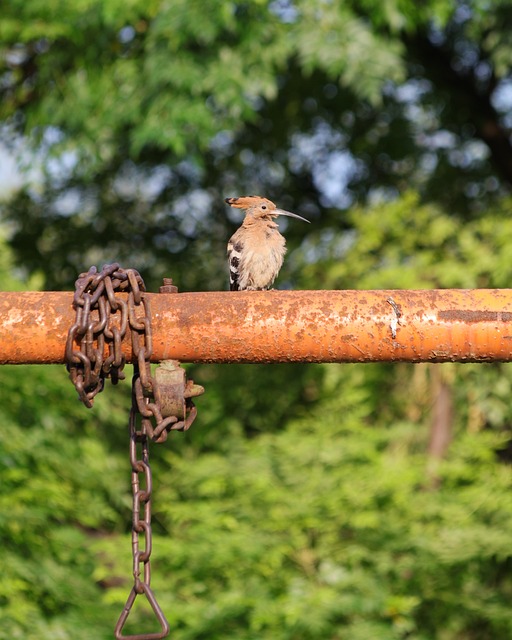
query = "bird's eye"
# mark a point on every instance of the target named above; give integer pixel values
(263, 206)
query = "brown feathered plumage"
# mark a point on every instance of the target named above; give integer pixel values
(256, 250)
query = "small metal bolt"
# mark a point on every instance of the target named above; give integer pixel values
(168, 286)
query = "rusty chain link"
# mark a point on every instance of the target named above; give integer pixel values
(97, 304)
(96, 292)
(141, 525)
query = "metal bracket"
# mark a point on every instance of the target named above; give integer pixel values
(176, 393)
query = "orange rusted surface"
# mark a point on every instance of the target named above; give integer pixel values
(285, 326)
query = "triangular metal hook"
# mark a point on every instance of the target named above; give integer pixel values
(164, 625)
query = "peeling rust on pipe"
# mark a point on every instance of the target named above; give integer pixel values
(284, 326)
(467, 315)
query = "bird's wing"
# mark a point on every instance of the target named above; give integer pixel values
(234, 255)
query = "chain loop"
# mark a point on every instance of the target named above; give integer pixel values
(141, 521)
(95, 304)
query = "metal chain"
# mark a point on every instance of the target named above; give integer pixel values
(141, 525)
(103, 319)
(96, 303)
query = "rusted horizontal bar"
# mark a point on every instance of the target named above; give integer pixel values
(285, 326)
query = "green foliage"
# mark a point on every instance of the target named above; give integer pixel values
(328, 529)
(59, 481)
(344, 46)
(405, 244)
(199, 71)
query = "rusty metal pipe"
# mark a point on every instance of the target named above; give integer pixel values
(284, 326)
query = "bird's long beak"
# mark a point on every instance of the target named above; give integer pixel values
(282, 212)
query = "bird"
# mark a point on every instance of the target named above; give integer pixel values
(256, 250)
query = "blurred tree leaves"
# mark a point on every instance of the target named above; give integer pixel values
(405, 244)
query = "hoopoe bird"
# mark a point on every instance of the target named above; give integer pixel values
(256, 250)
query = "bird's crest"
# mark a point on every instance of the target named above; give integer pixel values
(248, 202)
(259, 208)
